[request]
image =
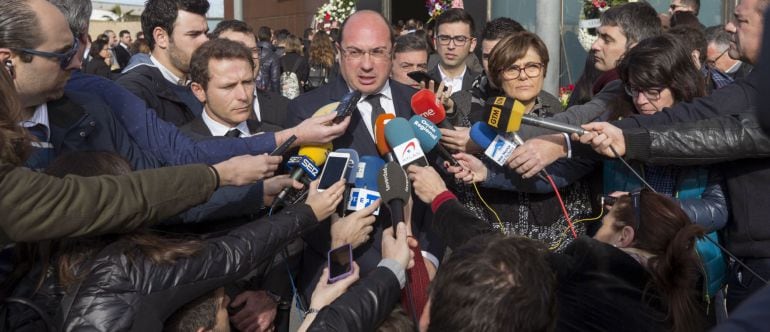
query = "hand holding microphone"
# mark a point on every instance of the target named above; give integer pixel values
(305, 165)
(427, 183)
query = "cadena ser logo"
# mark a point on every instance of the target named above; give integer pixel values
(494, 116)
(310, 169)
(408, 151)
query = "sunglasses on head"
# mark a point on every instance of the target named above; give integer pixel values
(636, 203)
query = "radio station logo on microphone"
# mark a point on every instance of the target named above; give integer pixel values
(500, 101)
(422, 124)
(408, 151)
(494, 116)
(362, 198)
(429, 113)
(310, 169)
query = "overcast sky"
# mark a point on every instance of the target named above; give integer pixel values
(217, 6)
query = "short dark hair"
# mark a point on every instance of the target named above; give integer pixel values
(96, 48)
(163, 14)
(123, 33)
(231, 25)
(685, 19)
(198, 313)
(264, 33)
(494, 283)
(637, 20)
(409, 42)
(219, 49)
(692, 38)
(282, 35)
(695, 4)
(455, 15)
(500, 28)
(512, 48)
(717, 35)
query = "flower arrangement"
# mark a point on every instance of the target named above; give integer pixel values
(589, 19)
(564, 93)
(437, 7)
(335, 11)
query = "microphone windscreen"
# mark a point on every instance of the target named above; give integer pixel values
(316, 153)
(327, 109)
(503, 114)
(426, 132)
(379, 133)
(424, 104)
(482, 134)
(352, 168)
(393, 183)
(398, 131)
(369, 169)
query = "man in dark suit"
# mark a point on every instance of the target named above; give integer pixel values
(122, 54)
(365, 47)
(454, 42)
(269, 107)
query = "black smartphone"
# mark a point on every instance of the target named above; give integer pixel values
(339, 260)
(423, 77)
(347, 105)
(279, 151)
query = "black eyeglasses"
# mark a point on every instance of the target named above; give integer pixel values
(459, 40)
(64, 58)
(652, 94)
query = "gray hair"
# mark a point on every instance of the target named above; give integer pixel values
(637, 20)
(77, 12)
(19, 26)
(718, 36)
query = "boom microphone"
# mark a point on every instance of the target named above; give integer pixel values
(429, 135)
(406, 147)
(305, 163)
(395, 190)
(507, 114)
(424, 104)
(495, 146)
(379, 134)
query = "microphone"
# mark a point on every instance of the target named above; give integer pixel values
(305, 164)
(395, 190)
(507, 114)
(379, 133)
(429, 135)
(406, 147)
(424, 104)
(366, 190)
(495, 146)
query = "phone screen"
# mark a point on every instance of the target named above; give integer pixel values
(333, 171)
(339, 262)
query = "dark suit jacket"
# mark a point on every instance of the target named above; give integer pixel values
(197, 129)
(122, 55)
(272, 108)
(357, 137)
(148, 83)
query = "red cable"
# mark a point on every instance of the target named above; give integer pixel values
(563, 208)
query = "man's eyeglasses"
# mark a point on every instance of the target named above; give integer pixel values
(531, 69)
(64, 58)
(380, 53)
(652, 94)
(713, 63)
(459, 40)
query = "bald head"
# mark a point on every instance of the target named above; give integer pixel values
(366, 45)
(367, 17)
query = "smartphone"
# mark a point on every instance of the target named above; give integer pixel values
(421, 76)
(347, 105)
(340, 263)
(334, 169)
(279, 151)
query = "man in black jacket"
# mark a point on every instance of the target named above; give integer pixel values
(122, 54)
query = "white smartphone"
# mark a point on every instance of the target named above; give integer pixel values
(334, 169)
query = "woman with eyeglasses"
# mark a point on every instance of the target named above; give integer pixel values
(101, 59)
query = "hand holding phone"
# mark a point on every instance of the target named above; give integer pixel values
(346, 106)
(423, 77)
(340, 262)
(334, 169)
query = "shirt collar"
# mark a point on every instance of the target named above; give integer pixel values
(218, 129)
(385, 92)
(167, 74)
(444, 76)
(40, 117)
(734, 67)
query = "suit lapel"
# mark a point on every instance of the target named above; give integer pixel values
(199, 127)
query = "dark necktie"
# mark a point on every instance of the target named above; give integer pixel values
(43, 152)
(377, 109)
(233, 133)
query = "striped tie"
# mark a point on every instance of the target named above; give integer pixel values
(43, 152)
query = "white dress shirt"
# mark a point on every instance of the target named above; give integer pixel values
(167, 74)
(218, 129)
(257, 111)
(365, 109)
(40, 117)
(456, 83)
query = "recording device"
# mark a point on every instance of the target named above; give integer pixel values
(347, 105)
(495, 146)
(340, 262)
(424, 104)
(423, 77)
(334, 169)
(305, 164)
(507, 114)
(429, 135)
(395, 190)
(379, 134)
(279, 151)
(366, 189)
(406, 147)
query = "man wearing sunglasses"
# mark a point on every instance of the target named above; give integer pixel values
(454, 42)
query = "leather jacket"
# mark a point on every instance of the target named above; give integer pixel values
(269, 78)
(126, 291)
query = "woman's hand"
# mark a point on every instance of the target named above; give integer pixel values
(324, 203)
(325, 293)
(471, 169)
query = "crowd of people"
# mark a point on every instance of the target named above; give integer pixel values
(144, 186)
